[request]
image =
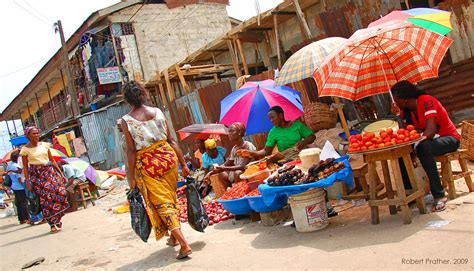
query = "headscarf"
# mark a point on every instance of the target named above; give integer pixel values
(29, 129)
(240, 127)
(210, 144)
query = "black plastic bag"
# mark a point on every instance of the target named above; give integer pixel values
(34, 207)
(7, 181)
(197, 216)
(139, 218)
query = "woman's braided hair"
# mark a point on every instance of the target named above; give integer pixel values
(133, 93)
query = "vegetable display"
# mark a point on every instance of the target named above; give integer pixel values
(254, 193)
(214, 210)
(238, 190)
(386, 138)
(289, 175)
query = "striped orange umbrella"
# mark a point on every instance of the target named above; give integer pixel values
(375, 58)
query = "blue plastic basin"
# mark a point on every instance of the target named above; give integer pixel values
(236, 206)
(257, 204)
(180, 183)
(352, 132)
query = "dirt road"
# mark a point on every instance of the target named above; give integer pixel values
(94, 239)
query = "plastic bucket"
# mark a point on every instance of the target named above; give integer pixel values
(309, 210)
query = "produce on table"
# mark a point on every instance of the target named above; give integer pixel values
(254, 193)
(181, 191)
(251, 170)
(215, 211)
(289, 175)
(238, 190)
(386, 138)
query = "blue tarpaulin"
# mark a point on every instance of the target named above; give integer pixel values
(19, 140)
(269, 193)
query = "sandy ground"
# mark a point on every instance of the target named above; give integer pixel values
(94, 239)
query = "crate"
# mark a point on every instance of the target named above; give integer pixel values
(467, 138)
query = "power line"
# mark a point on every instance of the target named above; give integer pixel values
(37, 11)
(20, 69)
(32, 14)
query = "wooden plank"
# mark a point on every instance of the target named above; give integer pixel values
(302, 20)
(420, 203)
(182, 79)
(163, 94)
(374, 210)
(277, 40)
(242, 56)
(234, 59)
(342, 116)
(401, 193)
(283, 13)
(388, 185)
(268, 52)
(169, 87)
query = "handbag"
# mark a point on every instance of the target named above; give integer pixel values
(140, 221)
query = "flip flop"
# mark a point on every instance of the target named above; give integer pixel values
(170, 243)
(439, 205)
(183, 255)
(36, 261)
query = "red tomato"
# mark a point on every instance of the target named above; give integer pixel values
(417, 136)
(388, 144)
(351, 150)
(383, 134)
(389, 131)
(353, 139)
(370, 135)
(371, 148)
(355, 145)
(412, 137)
(407, 139)
(412, 132)
(410, 127)
(363, 148)
(374, 140)
(401, 131)
(399, 141)
(387, 140)
(381, 145)
(400, 137)
(368, 143)
(358, 137)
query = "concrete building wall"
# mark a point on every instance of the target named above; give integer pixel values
(165, 36)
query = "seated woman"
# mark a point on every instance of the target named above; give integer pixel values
(285, 135)
(428, 115)
(214, 155)
(230, 171)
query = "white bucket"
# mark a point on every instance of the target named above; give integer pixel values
(309, 210)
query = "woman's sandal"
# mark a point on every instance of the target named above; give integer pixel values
(171, 243)
(55, 229)
(439, 205)
(184, 254)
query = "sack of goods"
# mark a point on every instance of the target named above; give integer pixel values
(140, 221)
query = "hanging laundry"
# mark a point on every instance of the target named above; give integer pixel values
(62, 139)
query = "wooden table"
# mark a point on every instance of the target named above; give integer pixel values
(398, 197)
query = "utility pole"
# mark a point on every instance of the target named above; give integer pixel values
(70, 80)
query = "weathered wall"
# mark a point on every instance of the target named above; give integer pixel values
(166, 36)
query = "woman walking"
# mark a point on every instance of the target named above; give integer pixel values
(45, 178)
(153, 164)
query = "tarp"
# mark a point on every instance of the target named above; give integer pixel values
(269, 193)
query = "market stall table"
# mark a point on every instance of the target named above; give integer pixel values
(398, 197)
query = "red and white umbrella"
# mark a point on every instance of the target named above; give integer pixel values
(375, 58)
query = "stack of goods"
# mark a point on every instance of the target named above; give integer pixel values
(237, 191)
(386, 138)
(289, 175)
(214, 210)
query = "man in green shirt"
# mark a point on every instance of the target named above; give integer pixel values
(285, 135)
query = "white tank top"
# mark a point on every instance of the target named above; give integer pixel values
(146, 133)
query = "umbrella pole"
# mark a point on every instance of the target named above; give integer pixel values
(386, 80)
(342, 117)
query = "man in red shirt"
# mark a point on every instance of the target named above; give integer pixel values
(427, 114)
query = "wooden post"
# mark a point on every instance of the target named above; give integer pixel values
(51, 102)
(182, 79)
(277, 40)
(169, 87)
(268, 52)
(14, 126)
(112, 35)
(235, 64)
(342, 117)
(163, 94)
(302, 19)
(21, 120)
(39, 107)
(257, 57)
(242, 56)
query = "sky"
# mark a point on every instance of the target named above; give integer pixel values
(29, 41)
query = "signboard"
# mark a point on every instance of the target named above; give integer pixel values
(109, 75)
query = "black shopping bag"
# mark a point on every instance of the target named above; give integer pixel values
(139, 218)
(197, 216)
(34, 207)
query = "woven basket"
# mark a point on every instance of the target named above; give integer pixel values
(467, 138)
(318, 116)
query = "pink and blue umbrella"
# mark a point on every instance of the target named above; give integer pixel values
(250, 104)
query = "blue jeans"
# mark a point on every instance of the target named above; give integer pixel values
(427, 151)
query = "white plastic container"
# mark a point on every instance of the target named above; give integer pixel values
(309, 210)
(309, 157)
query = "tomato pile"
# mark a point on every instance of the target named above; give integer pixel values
(254, 193)
(387, 138)
(237, 191)
(214, 210)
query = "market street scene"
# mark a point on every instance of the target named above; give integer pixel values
(237, 134)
